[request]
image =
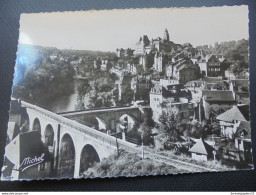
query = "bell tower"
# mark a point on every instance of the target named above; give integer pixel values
(166, 35)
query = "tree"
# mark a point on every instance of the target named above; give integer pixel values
(84, 88)
(172, 125)
(127, 96)
(142, 94)
(147, 134)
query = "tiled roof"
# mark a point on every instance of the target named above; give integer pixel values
(201, 147)
(240, 113)
(196, 82)
(218, 96)
(210, 79)
(214, 58)
(217, 85)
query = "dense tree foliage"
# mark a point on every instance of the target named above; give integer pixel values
(142, 94)
(172, 126)
(42, 79)
(233, 50)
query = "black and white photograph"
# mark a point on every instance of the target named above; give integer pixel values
(130, 92)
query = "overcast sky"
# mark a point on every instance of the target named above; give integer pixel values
(111, 29)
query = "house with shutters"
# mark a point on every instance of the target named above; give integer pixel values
(213, 65)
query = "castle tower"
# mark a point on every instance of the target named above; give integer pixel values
(166, 35)
(158, 62)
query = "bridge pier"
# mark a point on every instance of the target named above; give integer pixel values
(77, 165)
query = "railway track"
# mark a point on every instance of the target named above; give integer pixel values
(178, 163)
(181, 165)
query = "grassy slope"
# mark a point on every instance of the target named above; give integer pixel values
(129, 165)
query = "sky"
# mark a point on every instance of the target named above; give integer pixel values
(107, 30)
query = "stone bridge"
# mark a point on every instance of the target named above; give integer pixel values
(75, 147)
(107, 117)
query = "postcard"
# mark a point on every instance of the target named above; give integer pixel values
(107, 93)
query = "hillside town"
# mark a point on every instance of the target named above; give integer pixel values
(199, 106)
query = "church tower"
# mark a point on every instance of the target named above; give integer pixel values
(166, 35)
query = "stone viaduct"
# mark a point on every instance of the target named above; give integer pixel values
(107, 116)
(75, 147)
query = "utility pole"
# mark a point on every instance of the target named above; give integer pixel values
(200, 117)
(116, 141)
(142, 145)
(214, 151)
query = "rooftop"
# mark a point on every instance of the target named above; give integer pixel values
(201, 147)
(218, 96)
(240, 113)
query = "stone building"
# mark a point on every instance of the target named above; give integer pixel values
(243, 140)
(166, 81)
(166, 99)
(158, 62)
(179, 107)
(240, 89)
(143, 83)
(213, 66)
(31, 160)
(156, 100)
(143, 46)
(184, 70)
(216, 100)
(231, 120)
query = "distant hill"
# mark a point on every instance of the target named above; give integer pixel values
(232, 50)
(36, 49)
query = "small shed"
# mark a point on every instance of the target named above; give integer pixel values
(201, 151)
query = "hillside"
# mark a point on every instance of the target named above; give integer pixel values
(128, 164)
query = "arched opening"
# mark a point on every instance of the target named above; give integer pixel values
(126, 123)
(67, 157)
(89, 157)
(101, 124)
(36, 125)
(49, 135)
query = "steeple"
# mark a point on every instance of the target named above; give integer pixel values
(166, 35)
